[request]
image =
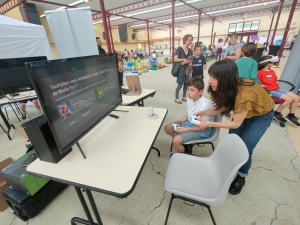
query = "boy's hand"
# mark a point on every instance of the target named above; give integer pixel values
(181, 130)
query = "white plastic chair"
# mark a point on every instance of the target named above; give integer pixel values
(205, 181)
(212, 138)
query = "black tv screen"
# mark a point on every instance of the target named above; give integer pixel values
(13, 75)
(75, 94)
(123, 32)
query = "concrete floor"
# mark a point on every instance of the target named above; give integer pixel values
(270, 196)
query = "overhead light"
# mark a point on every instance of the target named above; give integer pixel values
(143, 24)
(115, 18)
(71, 4)
(162, 8)
(242, 7)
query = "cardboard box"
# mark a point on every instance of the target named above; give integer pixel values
(3, 184)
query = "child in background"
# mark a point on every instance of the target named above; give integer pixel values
(187, 130)
(199, 63)
(246, 65)
(120, 72)
(268, 79)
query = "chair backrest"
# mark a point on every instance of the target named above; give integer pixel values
(229, 156)
(258, 54)
(216, 131)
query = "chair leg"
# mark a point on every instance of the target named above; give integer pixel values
(15, 112)
(171, 146)
(211, 215)
(212, 145)
(156, 149)
(169, 209)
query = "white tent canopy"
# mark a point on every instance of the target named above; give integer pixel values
(20, 39)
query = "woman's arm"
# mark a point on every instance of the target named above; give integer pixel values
(238, 119)
(176, 59)
(210, 112)
(237, 55)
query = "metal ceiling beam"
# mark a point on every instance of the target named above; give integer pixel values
(9, 5)
(59, 4)
(132, 7)
(224, 17)
(198, 10)
(212, 9)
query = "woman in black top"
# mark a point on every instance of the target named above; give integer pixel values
(181, 55)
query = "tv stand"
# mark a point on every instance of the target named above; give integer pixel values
(80, 149)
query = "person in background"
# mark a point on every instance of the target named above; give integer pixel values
(203, 48)
(131, 54)
(100, 49)
(120, 72)
(252, 107)
(209, 48)
(219, 49)
(268, 78)
(126, 55)
(225, 46)
(199, 63)
(154, 55)
(246, 65)
(23, 107)
(181, 55)
(293, 41)
(234, 50)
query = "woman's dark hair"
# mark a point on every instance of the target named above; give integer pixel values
(186, 37)
(261, 66)
(249, 49)
(227, 75)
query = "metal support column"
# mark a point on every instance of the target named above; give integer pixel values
(170, 39)
(273, 11)
(212, 31)
(278, 17)
(110, 33)
(26, 12)
(102, 8)
(199, 12)
(148, 37)
(173, 30)
(287, 27)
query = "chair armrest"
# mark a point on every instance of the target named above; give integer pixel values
(292, 86)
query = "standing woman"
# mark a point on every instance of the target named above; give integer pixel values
(234, 50)
(219, 49)
(181, 55)
(252, 107)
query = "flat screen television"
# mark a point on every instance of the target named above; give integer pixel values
(75, 94)
(13, 74)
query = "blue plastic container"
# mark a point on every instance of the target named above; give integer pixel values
(129, 64)
(152, 62)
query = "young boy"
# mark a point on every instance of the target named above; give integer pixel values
(199, 63)
(187, 130)
(246, 65)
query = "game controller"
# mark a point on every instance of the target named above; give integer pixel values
(194, 119)
(175, 126)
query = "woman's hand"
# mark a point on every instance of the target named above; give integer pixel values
(223, 56)
(201, 113)
(181, 130)
(203, 123)
(184, 61)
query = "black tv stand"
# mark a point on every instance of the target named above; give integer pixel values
(83, 155)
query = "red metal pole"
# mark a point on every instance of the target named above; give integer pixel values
(199, 12)
(111, 37)
(212, 31)
(148, 36)
(170, 40)
(26, 12)
(278, 17)
(273, 11)
(173, 30)
(102, 8)
(287, 27)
